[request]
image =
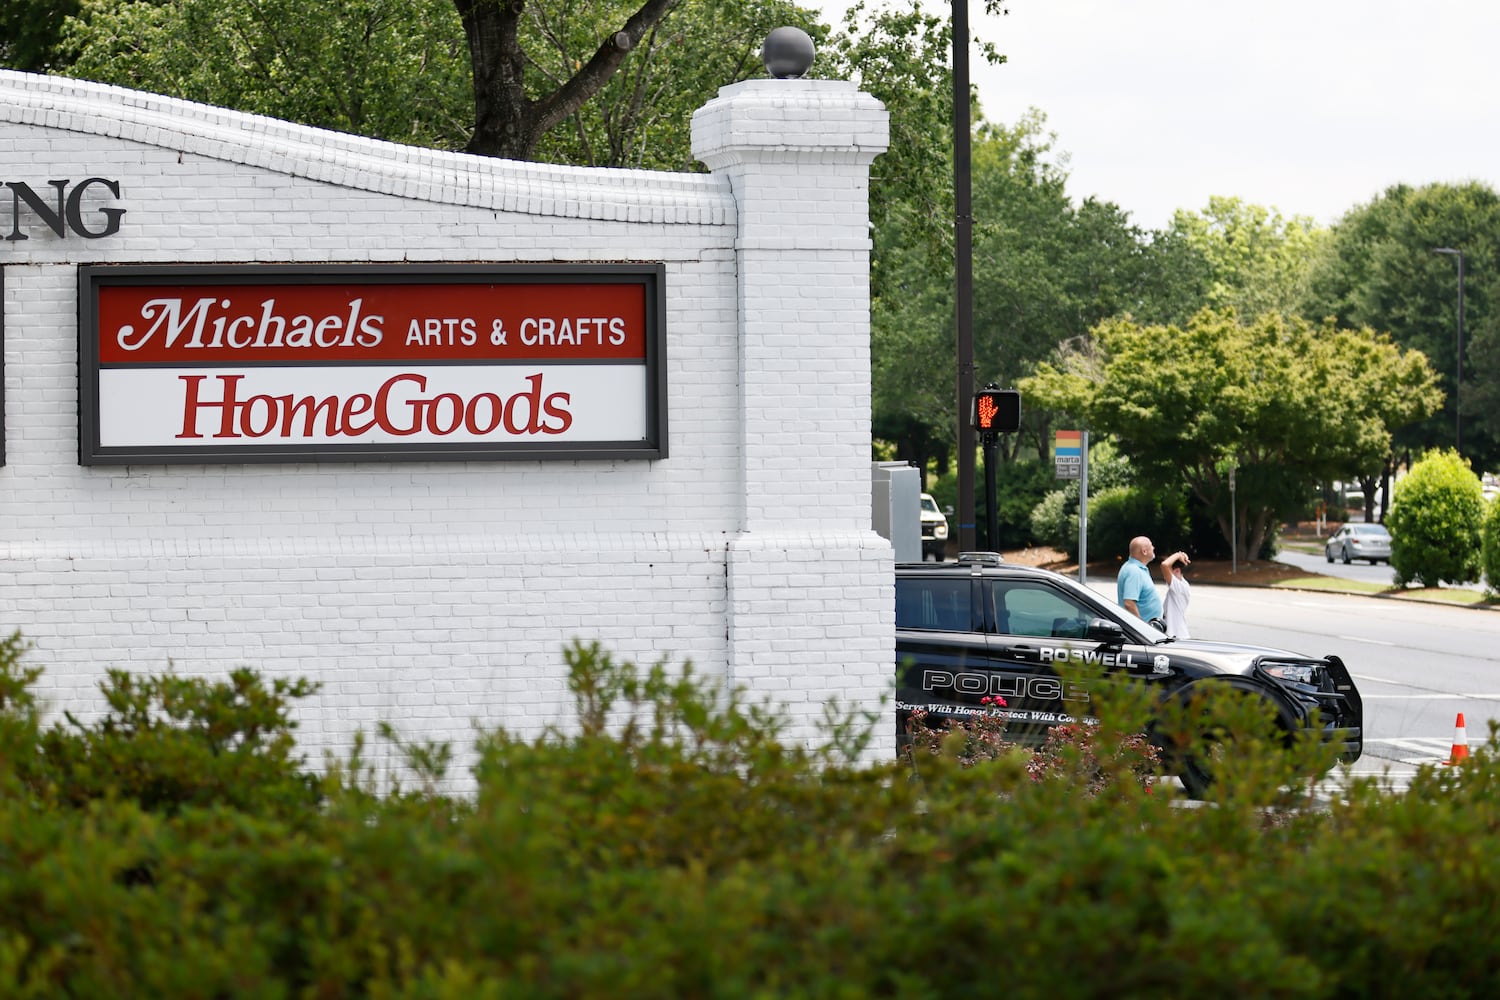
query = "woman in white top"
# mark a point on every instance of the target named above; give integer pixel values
(1175, 603)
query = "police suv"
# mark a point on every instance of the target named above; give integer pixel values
(981, 628)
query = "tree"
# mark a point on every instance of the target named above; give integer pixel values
(388, 71)
(508, 120)
(1284, 402)
(30, 31)
(1045, 270)
(610, 82)
(1379, 271)
(1256, 261)
(600, 84)
(901, 54)
(641, 115)
(912, 352)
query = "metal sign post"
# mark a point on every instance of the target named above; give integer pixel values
(1234, 528)
(1070, 455)
(1083, 512)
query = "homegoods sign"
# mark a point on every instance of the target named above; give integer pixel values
(416, 362)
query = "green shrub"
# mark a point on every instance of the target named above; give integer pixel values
(168, 743)
(1435, 522)
(1091, 759)
(19, 725)
(1490, 549)
(672, 844)
(1118, 514)
(1018, 488)
(1054, 521)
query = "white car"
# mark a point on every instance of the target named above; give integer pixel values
(1359, 541)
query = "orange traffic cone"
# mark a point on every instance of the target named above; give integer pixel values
(1460, 749)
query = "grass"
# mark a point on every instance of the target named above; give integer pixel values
(1306, 548)
(1468, 598)
(1334, 585)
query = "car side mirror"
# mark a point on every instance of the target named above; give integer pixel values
(1104, 630)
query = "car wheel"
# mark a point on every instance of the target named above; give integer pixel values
(1328, 552)
(1200, 766)
(1347, 558)
(1197, 777)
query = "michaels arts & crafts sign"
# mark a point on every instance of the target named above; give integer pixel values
(183, 364)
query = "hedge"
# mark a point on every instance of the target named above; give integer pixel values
(671, 844)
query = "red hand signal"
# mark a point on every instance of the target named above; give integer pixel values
(987, 411)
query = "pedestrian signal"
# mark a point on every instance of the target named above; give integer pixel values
(997, 410)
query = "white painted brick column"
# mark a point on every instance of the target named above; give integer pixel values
(810, 586)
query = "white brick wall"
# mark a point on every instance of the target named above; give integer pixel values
(440, 596)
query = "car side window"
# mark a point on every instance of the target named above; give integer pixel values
(934, 604)
(1028, 609)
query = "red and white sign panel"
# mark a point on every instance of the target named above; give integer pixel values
(416, 362)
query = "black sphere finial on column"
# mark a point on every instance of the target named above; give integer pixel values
(787, 53)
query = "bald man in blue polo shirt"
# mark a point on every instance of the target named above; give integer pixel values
(1133, 587)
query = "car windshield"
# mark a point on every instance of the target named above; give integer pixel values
(929, 505)
(1374, 530)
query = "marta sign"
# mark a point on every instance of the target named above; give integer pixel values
(373, 362)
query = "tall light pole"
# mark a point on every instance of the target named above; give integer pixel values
(1458, 416)
(963, 264)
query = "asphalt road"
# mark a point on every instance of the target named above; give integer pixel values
(1417, 665)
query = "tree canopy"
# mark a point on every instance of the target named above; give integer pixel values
(30, 30)
(640, 115)
(1255, 261)
(1287, 403)
(609, 82)
(1380, 271)
(1045, 270)
(604, 83)
(388, 71)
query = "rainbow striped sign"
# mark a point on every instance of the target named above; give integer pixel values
(1067, 454)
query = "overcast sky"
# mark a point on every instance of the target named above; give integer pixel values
(1308, 106)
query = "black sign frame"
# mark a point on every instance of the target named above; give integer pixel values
(91, 278)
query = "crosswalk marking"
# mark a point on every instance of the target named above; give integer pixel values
(1429, 748)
